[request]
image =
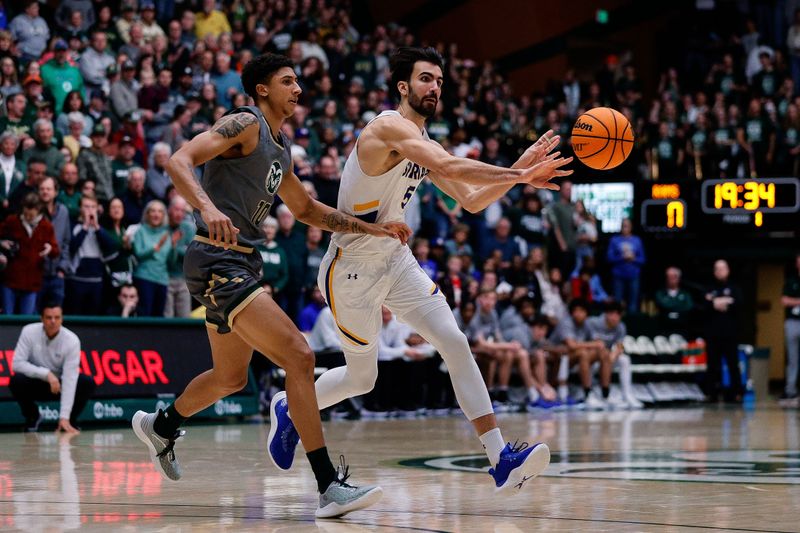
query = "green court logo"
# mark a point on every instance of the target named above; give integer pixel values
(774, 467)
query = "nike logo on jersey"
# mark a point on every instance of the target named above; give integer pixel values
(414, 171)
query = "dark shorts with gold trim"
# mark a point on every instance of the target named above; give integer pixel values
(224, 281)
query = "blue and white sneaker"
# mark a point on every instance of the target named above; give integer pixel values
(518, 464)
(283, 437)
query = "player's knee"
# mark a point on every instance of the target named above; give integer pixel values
(302, 360)
(364, 380)
(233, 383)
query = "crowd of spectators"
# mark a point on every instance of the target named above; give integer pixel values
(97, 96)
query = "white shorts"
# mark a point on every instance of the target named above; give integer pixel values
(355, 286)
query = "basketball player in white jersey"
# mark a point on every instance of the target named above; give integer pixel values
(361, 273)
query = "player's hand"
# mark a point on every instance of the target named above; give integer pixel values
(221, 230)
(46, 250)
(395, 230)
(55, 384)
(538, 150)
(66, 427)
(540, 174)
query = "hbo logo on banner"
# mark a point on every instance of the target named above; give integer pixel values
(107, 410)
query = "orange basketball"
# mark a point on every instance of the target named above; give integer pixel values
(602, 138)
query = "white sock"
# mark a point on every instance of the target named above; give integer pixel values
(493, 444)
(533, 395)
(563, 392)
(625, 376)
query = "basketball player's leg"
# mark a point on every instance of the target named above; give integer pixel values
(283, 343)
(230, 356)
(286, 347)
(354, 289)
(511, 466)
(419, 303)
(357, 377)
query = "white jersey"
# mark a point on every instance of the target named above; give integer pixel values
(376, 198)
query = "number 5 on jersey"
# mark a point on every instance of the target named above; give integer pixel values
(408, 195)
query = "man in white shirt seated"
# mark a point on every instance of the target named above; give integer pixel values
(392, 391)
(324, 336)
(46, 363)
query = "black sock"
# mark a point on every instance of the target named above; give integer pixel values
(322, 467)
(167, 422)
(606, 391)
(587, 390)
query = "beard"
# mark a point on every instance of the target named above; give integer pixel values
(423, 106)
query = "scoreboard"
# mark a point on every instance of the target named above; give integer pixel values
(753, 206)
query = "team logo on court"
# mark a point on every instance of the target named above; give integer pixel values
(274, 177)
(774, 467)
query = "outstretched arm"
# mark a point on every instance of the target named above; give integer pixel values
(314, 213)
(232, 133)
(402, 136)
(474, 198)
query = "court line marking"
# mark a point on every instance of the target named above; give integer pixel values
(385, 511)
(220, 507)
(601, 520)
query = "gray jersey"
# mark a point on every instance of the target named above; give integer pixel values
(567, 329)
(244, 187)
(601, 331)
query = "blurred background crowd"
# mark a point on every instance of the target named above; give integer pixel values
(96, 96)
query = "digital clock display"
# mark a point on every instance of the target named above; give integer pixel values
(664, 215)
(762, 195)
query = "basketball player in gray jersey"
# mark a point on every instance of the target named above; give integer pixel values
(248, 162)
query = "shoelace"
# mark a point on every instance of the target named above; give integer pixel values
(517, 446)
(342, 473)
(169, 448)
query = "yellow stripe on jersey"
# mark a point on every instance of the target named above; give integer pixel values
(329, 289)
(366, 206)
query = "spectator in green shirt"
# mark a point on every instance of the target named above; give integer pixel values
(59, 77)
(182, 231)
(152, 248)
(44, 148)
(674, 304)
(276, 265)
(69, 194)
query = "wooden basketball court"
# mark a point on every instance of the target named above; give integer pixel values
(690, 469)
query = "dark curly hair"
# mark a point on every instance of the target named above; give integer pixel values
(260, 70)
(402, 61)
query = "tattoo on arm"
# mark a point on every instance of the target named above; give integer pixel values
(232, 125)
(338, 222)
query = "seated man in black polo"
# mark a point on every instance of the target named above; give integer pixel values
(46, 363)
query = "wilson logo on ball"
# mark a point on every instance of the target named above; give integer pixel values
(602, 138)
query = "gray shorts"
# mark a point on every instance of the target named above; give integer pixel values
(224, 281)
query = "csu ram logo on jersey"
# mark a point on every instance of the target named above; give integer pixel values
(273, 181)
(274, 177)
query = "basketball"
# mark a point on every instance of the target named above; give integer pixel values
(602, 138)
